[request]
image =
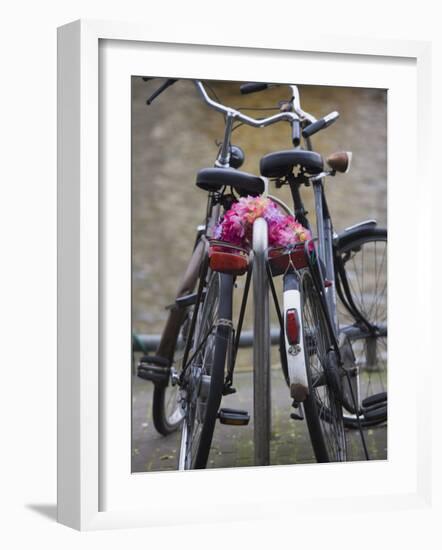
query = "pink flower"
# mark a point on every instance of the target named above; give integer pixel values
(236, 227)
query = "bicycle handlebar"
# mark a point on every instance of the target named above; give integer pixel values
(233, 113)
(251, 87)
(228, 111)
(314, 126)
(161, 89)
(294, 117)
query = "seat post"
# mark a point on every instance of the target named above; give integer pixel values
(300, 211)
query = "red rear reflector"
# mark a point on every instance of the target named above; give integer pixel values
(225, 262)
(292, 326)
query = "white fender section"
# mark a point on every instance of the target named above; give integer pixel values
(295, 353)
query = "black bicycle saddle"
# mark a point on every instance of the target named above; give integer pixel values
(213, 179)
(281, 163)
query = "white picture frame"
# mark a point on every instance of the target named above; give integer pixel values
(87, 458)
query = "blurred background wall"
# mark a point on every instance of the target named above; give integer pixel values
(176, 136)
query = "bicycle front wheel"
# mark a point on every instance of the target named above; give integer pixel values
(362, 291)
(323, 409)
(167, 411)
(203, 382)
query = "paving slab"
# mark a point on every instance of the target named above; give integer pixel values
(233, 445)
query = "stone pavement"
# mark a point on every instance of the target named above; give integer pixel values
(233, 445)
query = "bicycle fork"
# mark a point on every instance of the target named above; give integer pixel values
(294, 337)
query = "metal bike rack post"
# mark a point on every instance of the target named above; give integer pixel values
(261, 346)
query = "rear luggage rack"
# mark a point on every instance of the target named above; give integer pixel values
(279, 258)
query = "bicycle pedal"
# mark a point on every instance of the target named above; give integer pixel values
(156, 360)
(233, 417)
(376, 414)
(183, 302)
(186, 300)
(375, 399)
(299, 414)
(154, 369)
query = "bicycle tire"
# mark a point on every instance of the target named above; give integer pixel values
(369, 246)
(167, 412)
(322, 407)
(216, 315)
(165, 423)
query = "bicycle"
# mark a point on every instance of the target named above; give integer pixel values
(206, 327)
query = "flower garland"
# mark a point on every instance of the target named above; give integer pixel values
(236, 226)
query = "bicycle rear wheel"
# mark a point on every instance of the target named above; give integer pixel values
(203, 382)
(363, 289)
(323, 409)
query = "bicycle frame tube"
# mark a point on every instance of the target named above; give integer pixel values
(325, 241)
(169, 336)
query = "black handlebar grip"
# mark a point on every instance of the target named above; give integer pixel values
(314, 127)
(296, 133)
(250, 87)
(323, 122)
(161, 89)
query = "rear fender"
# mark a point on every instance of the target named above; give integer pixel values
(354, 231)
(295, 352)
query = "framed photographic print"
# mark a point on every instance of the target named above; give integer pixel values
(180, 134)
(223, 281)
